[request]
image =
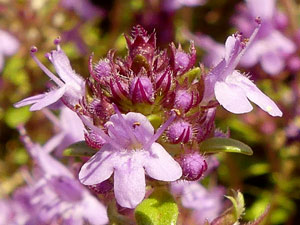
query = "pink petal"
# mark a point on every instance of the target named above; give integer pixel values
(232, 97)
(282, 44)
(258, 97)
(9, 44)
(229, 47)
(272, 63)
(264, 9)
(53, 142)
(94, 211)
(98, 168)
(161, 166)
(129, 184)
(63, 68)
(252, 54)
(48, 164)
(29, 100)
(48, 98)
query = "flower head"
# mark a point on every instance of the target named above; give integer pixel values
(130, 153)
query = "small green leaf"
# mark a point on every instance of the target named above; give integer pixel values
(215, 145)
(238, 204)
(159, 209)
(190, 75)
(79, 149)
(233, 214)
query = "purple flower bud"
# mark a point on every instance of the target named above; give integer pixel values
(102, 69)
(118, 89)
(182, 61)
(179, 131)
(141, 89)
(193, 165)
(163, 80)
(102, 188)
(93, 140)
(140, 43)
(183, 100)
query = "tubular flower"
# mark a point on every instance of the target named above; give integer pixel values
(129, 153)
(58, 196)
(231, 88)
(70, 87)
(270, 47)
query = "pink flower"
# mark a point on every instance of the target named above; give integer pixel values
(9, 45)
(206, 204)
(232, 89)
(56, 194)
(270, 47)
(130, 153)
(70, 86)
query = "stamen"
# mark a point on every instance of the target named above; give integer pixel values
(25, 139)
(160, 130)
(100, 132)
(125, 125)
(57, 42)
(33, 50)
(250, 40)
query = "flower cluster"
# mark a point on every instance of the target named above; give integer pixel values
(145, 115)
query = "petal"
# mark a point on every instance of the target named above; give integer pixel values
(252, 54)
(100, 167)
(211, 79)
(63, 68)
(49, 98)
(264, 9)
(257, 96)
(160, 165)
(281, 43)
(93, 210)
(272, 63)
(232, 98)
(9, 44)
(29, 100)
(143, 131)
(129, 184)
(48, 164)
(229, 47)
(53, 142)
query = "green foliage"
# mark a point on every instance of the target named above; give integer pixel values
(13, 117)
(233, 214)
(216, 145)
(159, 209)
(79, 149)
(190, 75)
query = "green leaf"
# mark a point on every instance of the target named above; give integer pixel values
(233, 214)
(79, 149)
(216, 145)
(13, 117)
(190, 75)
(159, 209)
